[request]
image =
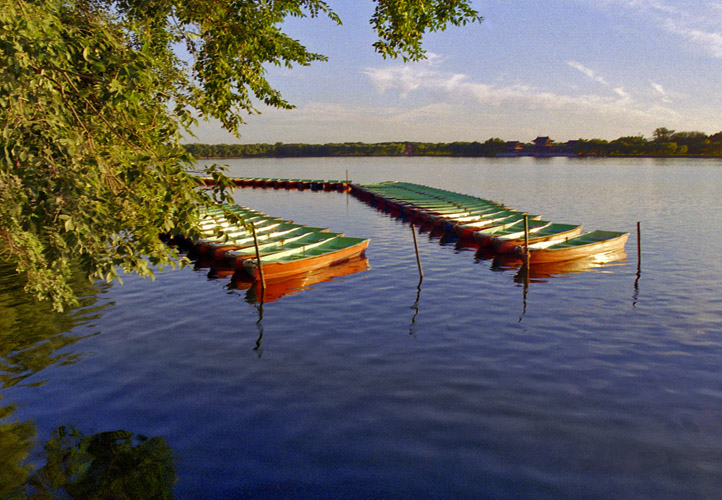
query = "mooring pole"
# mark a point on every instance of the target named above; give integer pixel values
(416, 247)
(258, 258)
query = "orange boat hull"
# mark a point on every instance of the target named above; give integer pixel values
(546, 255)
(275, 289)
(279, 270)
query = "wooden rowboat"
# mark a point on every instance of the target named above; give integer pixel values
(280, 234)
(510, 230)
(222, 234)
(283, 264)
(584, 245)
(286, 247)
(544, 271)
(467, 230)
(551, 232)
(480, 221)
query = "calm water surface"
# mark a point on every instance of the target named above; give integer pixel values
(593, 384)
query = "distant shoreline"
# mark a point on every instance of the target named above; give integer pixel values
(541, 157)
(576, 157)
(675, 145)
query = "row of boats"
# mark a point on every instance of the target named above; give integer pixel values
(275, 183)
(491, 226)
(293, 256)
(252, 244)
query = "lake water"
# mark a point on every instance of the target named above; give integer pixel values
(596, 384)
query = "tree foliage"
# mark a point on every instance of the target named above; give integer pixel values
(94, 101)
(401, 24)
(664, 142)
(281, 150)
(677, 143)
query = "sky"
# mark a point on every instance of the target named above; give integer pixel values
(566, 69)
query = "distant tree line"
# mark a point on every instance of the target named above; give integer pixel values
(282, 150)
(664, 142)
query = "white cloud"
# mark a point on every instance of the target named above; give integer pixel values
(443, 86)
(698, 23)
(660, 90)
(621, 93)
(624, 95)
(406, 78)
(587, 71)
(708, 41)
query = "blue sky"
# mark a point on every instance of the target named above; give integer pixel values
(562, 68)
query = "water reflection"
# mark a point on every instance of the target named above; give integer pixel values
(541, 273)
(257, 295)
(415, 307)
(32, 335)
(259, 323)
(293, 284)
(277, 288)
(16, 442)
(635, 295)
(523, 277)
(106, 465)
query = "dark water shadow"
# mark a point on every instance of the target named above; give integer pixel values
(523, 277)
(635, 294)
(415, 307)
(107, 465)
(259, 326)
(33, 336)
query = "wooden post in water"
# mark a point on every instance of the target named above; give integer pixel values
(418, 259)
(258, 258)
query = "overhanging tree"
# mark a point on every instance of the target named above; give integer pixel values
(94, 101)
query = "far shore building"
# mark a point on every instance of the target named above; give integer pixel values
(543, 145)
(513, 147)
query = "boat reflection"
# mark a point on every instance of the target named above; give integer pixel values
(275, 289)
(540, 273)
